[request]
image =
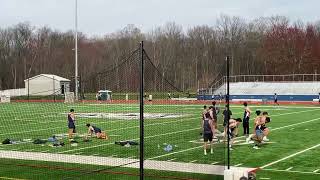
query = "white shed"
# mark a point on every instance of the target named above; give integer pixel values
(47, 84)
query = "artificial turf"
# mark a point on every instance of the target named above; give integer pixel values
(293, 129)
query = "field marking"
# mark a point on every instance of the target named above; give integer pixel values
(172, 159)
(264, 178)
(189, 149)
(89, 147)
(316, 170)
(290, 156)
(167, 122)
(193, 161)
(94, 154)
(130, 127)
(237, 165)
(120, 162)
(131, 157)
(8, 178)
(288, 169)
(316, 119)
(21, 132)
(214, 163)
(301, 172)
(294, 112)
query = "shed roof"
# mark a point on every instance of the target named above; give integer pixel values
(51, 76)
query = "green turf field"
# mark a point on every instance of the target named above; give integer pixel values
(293, 151)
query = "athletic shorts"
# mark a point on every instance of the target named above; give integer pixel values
(276, 100)
(71, 126)
(259, 132)
(97, 131)
(207, 137)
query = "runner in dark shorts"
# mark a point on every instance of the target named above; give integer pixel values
(276, 99)
(71, 124)
(226, 120)
(208, 132)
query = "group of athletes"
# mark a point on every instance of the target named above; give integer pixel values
(209, 126)
(92, 130)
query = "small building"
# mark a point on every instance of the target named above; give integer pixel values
(47, 84)
(104, 95)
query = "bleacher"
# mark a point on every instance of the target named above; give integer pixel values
(264, 91)
(268, 88)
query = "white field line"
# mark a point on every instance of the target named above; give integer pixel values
(238, 165)
(214, 163)
(94, 154)
(130, 163)
(316, 119)
(8, 178)
(193, 161)
(21, 132)
(153, 124)
(264, 178)
(282, 114)
(235, 139)
(172, 159)
(288, 169)
(176, 132)
(301, 172)
(316, 170)
(131, 157)
(290, 156)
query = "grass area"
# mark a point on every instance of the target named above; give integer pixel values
(292, 132)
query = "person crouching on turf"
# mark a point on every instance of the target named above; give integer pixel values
(258, 137)
(71, 124)
(256, 122)
(264, 128)
(208, 133)
(233, 125)
(93, 129)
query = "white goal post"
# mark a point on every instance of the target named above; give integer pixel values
(69, 97)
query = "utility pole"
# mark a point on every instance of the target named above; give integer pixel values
(76, 51)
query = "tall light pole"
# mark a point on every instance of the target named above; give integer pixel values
(76, 51)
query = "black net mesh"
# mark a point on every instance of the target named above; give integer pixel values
(104, 142)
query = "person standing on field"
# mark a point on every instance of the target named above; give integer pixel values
(246, 118)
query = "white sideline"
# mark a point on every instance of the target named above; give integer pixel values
(111, 161)
(290, 156)
(302, 172)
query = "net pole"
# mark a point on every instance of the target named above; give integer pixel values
(141, 112)
(228, 108)
(76, 51)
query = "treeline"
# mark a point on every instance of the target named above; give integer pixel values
(189, 58)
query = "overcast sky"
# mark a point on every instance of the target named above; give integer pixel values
(98, 17)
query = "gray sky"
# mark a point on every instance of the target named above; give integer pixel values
(98, 17)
